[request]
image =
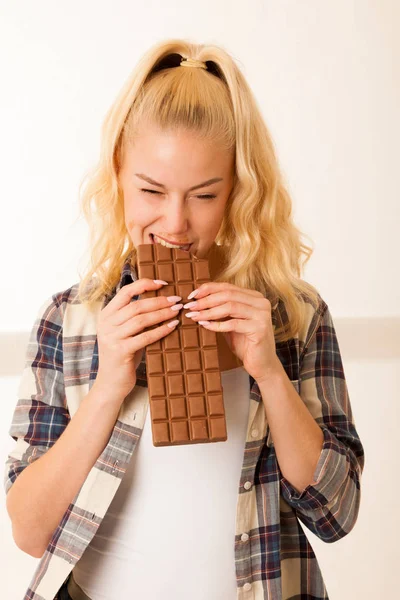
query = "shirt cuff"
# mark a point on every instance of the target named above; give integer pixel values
(331, 471)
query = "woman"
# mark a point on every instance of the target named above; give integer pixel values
(186, 158)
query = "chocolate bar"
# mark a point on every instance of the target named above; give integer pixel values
(183, 373)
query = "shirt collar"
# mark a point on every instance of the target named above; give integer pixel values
(128, 274)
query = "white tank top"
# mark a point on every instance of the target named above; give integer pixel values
(169, 531)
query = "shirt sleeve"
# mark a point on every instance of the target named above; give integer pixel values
(41, 413)
(329, 505)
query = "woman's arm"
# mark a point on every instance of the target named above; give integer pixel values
(329, 504)
(38, 499)
(297, 437)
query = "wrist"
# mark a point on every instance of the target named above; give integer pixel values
(107, 392)
(274, 373)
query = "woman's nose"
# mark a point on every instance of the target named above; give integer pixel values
(175, 222)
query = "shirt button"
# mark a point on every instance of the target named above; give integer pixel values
(247, 587)
(254, 433)
(247, 485)
(245, 537)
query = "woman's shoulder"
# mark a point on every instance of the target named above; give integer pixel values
(70, 299)
(312, 307)
(314, 311)
(311, 296)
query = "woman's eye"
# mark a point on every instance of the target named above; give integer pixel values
(204, 196)
(150, 191)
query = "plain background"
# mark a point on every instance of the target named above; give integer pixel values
(326, 77)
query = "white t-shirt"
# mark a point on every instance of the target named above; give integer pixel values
(170, 528)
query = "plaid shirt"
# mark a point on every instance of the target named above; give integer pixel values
(273, 557)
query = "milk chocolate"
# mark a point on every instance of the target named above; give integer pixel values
(183, 371)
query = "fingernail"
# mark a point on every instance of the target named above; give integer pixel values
(160, 281)
(173, 323)
(176, 307)
(190, 304)
(174, 298)
(193, 294)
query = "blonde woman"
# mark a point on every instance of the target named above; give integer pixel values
(186, 160)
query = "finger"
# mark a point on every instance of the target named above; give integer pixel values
(151, 335)
(238, 325)
(214, 286)
(125, 294)
(229, 309)
(143, 320)
(143, 306)
(235, 295)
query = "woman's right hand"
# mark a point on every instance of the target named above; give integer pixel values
(119, 337)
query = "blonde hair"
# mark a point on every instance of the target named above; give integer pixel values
(263, 246)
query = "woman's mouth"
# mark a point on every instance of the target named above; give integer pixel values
(156, 240)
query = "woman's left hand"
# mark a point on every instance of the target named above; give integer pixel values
(249, 333)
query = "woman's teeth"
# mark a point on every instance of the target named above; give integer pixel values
(167, 245)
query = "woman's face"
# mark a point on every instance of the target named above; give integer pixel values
(168, 164)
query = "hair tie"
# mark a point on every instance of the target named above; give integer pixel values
(191, 62)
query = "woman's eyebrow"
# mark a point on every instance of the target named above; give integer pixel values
(195, 187)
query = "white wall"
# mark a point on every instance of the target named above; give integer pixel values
(326, 76)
